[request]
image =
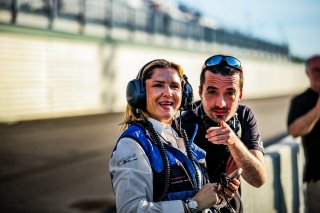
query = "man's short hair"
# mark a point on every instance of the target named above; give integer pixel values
(224, 70)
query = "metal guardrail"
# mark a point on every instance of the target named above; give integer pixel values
(117, 14)
(283, 191)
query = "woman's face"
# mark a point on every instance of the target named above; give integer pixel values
(163, 94)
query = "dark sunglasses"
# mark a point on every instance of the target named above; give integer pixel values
(217, 59)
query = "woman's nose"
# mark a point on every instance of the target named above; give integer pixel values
(167, 90)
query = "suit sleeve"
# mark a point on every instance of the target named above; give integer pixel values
(132, 181)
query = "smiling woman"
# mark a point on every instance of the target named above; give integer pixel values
(163, 94)
(154, 167)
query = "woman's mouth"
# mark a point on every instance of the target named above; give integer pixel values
(166, 104)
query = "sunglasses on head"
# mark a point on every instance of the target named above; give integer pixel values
(218, 59)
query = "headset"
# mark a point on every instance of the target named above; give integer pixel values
(136, 98)
(136, 91)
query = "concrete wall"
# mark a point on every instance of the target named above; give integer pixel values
(283, 191)
(45, 76)
(263, 77)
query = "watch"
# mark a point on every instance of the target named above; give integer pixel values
(192, 205)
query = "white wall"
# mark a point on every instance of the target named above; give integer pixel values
(46, 77)
(262, 78)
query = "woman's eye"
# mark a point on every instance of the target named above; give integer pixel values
(175, 86)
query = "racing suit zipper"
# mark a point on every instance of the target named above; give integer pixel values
(184, 169)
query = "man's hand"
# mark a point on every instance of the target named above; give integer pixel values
(232, 187)
(221, 135)
(251, 161)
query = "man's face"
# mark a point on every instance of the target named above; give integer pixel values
(220, 95)
(313, 73)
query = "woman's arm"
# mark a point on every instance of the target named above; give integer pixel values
(132, 181)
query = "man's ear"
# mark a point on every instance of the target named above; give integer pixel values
(240, 96)
(200, 91)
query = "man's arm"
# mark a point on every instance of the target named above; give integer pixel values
(304, 124)
(251, 161)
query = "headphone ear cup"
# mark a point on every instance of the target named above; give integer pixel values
(136, 94)
(136, 91)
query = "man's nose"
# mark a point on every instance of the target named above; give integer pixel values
(220, 101)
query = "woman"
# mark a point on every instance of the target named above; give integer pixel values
(153, 166)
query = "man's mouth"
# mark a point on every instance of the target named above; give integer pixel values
(220, 111)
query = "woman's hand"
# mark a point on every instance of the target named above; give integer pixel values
(211, 194)
(207, 196)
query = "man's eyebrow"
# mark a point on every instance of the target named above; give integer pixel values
(211, 87)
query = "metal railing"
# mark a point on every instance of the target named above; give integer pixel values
(113, 14)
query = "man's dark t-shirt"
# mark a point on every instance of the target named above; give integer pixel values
(217, 155)
(300, 105)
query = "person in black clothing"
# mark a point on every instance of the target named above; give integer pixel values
(303, 120)
(228, 131)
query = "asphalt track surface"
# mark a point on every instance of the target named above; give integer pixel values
(61, 165)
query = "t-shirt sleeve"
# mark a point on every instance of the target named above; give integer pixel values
(250, 132)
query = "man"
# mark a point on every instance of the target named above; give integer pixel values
(228, 131)
(303, 120)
